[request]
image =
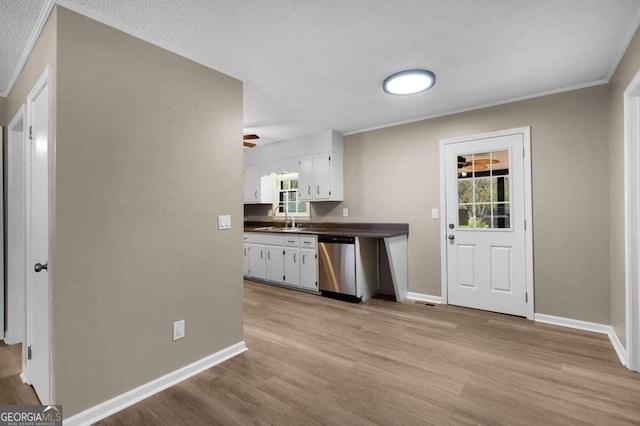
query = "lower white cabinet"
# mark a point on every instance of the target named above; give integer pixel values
(256, 261)
(245, 259)
(308, 269)
(274, 264)
(290, 260)
(292, 266)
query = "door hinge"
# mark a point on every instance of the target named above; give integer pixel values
(30, 132)
(526, 297)
(29, 352)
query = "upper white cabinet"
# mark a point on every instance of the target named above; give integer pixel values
(317, 158)
(257, 189)
(320, 177)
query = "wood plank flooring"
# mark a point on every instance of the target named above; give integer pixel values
(313, 360)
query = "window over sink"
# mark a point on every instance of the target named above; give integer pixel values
(286, 201)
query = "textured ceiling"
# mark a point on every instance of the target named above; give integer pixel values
(310, 65)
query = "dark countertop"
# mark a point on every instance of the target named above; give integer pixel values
(364, 230)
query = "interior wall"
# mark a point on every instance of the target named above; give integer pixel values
(626, 71)
(147, 156)
(392, 175)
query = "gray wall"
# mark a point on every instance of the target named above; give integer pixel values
(392, 175)
(144, 141)
(627, 69)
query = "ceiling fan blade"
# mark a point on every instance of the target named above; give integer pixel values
(248, 144)
(250, 136)
(485, 161)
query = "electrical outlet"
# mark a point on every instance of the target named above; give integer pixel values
(178, 330)
(345, 212)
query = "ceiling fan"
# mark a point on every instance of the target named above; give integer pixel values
(248, 137)
(479, 164)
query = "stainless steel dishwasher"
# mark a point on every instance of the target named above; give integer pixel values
(337, 267)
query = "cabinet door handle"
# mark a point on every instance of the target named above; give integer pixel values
(245, 252)
(318, 189)
(309, 190)
(260, 254)
(256, 194)
(294, 258)
(303, 259)
(269, 255)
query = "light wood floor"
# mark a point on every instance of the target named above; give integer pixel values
(313, 360)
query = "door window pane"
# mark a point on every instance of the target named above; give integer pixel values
(484, 190)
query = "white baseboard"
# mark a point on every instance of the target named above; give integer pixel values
(587, 326)
(424, 297)
(120, 402)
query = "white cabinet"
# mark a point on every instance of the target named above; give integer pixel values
(274, 264)
(320, 177)
(256, 260)
(308, 269)
(251, 184)
(292, 266)
(290, 260)
(245, 259)
(257, 189)
(308, 263)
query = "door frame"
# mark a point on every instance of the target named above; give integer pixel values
(528, 213)
(16, 300)
(632, 222)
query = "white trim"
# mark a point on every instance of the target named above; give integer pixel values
(586, 326)
(122, 401)
(15, 293)
(481, 106)
(420, 297)
(528, 209)
(632, 221)
(2, 292)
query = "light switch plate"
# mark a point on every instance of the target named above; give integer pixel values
(434, 214)
(345, 212)
(224, 221)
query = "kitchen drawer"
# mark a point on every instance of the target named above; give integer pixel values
(308, 242)
(264, 238)
(291, 241)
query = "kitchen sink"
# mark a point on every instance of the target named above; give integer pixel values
(266, 228)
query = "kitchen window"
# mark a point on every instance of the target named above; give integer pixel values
(286, 201)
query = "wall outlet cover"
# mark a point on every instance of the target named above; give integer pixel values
(178, 330)
(345, 212)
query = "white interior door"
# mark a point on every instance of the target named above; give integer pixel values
(16, 254)
(486, 240)
(38, 291)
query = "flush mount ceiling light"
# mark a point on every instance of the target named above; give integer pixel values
(409, 82)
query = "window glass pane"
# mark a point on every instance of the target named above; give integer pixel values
(483, 190)
(501, 216)
(465, 191)
(294, 183)
(500, 188)
(482, 218)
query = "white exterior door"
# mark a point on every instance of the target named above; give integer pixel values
(38, 298)
(485, 234)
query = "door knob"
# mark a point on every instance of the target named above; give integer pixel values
(452, 237)
(39, 267)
